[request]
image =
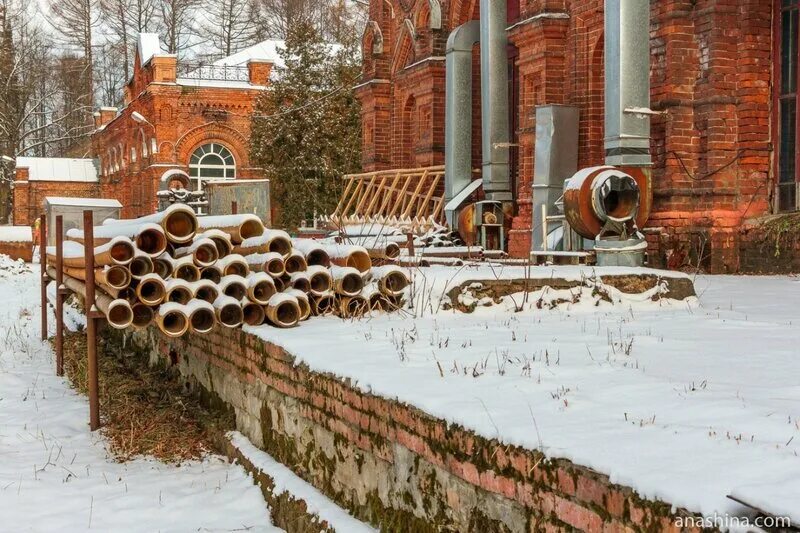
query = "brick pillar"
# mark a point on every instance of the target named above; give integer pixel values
(165, 68)
(21, 200)
(259, 72)
(376, 118)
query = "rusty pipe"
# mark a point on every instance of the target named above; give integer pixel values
(313, 251)
(253, 314)
(211, 273)
(302, 301)
(117, 251)
(229, 311)
(353, 306)
(260, 287)
(271, 263)
(115, 276)
(391, 280)
(151, 290)
(234, 264)
(347, 281)
(320, 280)
(178, 221)
(149, 238)
(163, 265)
(202, 316)
(173, 319)
(205, 290)
(234, 286)
(350, 256)
(283, 311)
(300, 281)
(179, 291)
(323, 304)
(295, 262)
(203, 252)
(141, 265)
(221, 240)
(238, 227)
(275, 241)
(118, 312)
(143, 315)
(184, 268)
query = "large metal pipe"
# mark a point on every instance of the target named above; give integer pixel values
(184, 268)
(271, 240)
(283, 311)
(234, 286)
(347, 281)
(494, 100)
(302, 301)
(118, 312)
(295, 262)
(271, 263)
(221, 239)
(320, 280)
(118, 251)
(203, 252)
(205, 290)
(350, 256)
(392, 280)
(141, 265)
(202, 316)
(229, 311)
(314, 252)
(149, 238)
(233, 264)
(151, 290)
(253, 314)
(143, 315)
(458, 108)
(323, 304)
(179, 291)
(627, 83)
(238, 227)
(260, 287)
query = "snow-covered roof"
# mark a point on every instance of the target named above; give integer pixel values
(59, 169)
(16, 234)
(268, 50)
(82, 202)
(149, 45)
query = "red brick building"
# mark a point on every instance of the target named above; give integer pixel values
(176, 117)
(719, 149)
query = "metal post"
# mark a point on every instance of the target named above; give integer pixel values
(234, 208)
(91, 321)
(60, 295)
(410, 244)
(43, 263)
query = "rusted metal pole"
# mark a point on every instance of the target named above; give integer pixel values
(410, 244)
(234, 208)
(91, 321)
(60, 295)
(43, 263)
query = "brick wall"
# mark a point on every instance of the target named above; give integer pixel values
(17, 250)
(711, 73)
(389, 463)
(29, 195)
(771, 245)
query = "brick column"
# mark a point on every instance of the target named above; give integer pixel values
(21, 199)
(376, 118)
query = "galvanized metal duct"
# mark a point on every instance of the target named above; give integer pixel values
(627, 82)
(494, 97)
(458, 110)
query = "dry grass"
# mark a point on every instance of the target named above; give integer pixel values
(144, 412)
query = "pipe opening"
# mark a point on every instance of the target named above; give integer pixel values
(253, 314)
(207, 294)
(187, 272)
(280, 285)
(281, 246)
(142, 315)
(180, 295)
(203, 320)
(275, 268)
(174, 323)
(141, 266)
(320, 283)
(355, 306)
(151, 292)
(395, 282)
(392, 250)
(302, 285)
(264, 291)
(118, 277)
(617, 197)
(151, 242)
(352, 284)
(237, 291)
(305, 308)
(378, 302)
(162, 268)
(224, 247)
(120, 315)
(211, 274)
(318, 257)
(295, 263)
(237, 269)
(206, 255)
(251, 228)
(360, 261)
(122, 252)
(231, 316)
(181, 226)
(324, 305)
(287, 314)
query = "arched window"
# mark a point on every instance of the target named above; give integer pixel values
(209, 162)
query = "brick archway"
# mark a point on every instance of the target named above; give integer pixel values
(462, 11)
(217, 133)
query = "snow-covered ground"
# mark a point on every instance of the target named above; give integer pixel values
(686, 402)
(56, 476)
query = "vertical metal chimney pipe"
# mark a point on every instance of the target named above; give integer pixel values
(494, 96)
(458, 109)
(627, 82)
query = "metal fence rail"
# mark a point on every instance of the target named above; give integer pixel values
(199, 71)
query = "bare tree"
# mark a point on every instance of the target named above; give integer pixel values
(177, 20)
(111, 73)
(76, 20)
(231, 24)
(125, 19)
(278, 16)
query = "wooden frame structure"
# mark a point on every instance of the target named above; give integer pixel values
(405, 197)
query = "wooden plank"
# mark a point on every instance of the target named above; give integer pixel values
(346, 210)
(422, 179)
(388, 194)
(365, 195)
(376, 196)
(344, 196)
(401, 196)
(434, 183)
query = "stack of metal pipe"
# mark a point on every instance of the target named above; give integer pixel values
(190, 274)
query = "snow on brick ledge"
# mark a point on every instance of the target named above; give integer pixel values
(17, 242)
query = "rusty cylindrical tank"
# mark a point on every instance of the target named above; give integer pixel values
(596, 195)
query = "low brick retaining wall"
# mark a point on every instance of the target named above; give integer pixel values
(391, 464)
